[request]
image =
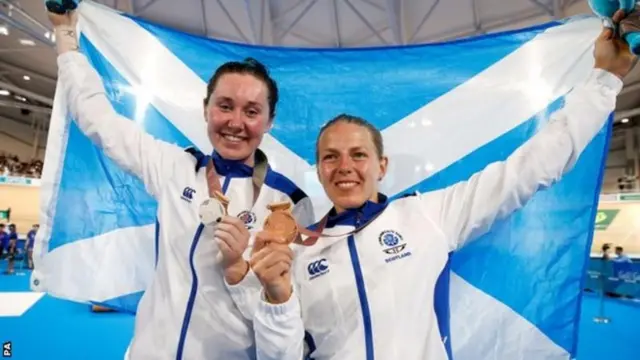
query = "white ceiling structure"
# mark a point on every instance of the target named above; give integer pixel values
(27, 56)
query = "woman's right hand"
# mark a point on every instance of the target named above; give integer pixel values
(271, 261)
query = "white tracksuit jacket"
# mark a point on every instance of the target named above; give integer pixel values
(383, 293)
(187, 312)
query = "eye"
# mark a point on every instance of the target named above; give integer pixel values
(360, 155)
(329, 157)
(225, 107)
(252, 113)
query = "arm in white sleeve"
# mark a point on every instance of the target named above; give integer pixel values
(121, 139)
(279, 330)
(246, 294)
(467, 210)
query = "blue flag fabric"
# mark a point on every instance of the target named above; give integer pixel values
(515, 292)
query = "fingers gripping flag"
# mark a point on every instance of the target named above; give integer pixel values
(446, 111)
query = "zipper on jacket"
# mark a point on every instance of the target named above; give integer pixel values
(192, 294)
(362, 293)
(194, 282)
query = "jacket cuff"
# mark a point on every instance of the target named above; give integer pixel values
(70, 57)
(247, 286)
(287, 309)
(607, 79)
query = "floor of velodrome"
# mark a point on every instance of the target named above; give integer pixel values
(51, 328)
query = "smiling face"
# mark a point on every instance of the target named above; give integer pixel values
(238, 116)
(350, 164)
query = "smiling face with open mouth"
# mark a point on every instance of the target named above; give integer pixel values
(238, 116)
(349, 165)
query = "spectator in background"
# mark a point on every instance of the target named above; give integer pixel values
(621, 257)
(13, 247)
(605, 251)
(11, 165)
(31, 237)
(4, 241)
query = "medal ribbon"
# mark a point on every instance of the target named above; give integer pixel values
(259, 174)
(313, 236)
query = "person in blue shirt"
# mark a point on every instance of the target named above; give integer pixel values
(31, 238)
(4, 241)
(12, 247)
(621, 257)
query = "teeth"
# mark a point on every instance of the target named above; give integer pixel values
(232, 138)
(346, 184)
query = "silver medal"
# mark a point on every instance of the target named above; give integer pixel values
(211, 211)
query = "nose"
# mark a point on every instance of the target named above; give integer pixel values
(234, 120)
(345, 165)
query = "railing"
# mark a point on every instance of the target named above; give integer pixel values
(18, 180)
(614, 278)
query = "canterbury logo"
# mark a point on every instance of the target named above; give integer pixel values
(317, 268)
(187, 193)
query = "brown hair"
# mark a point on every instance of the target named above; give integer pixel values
(252, 67)
(376, 136)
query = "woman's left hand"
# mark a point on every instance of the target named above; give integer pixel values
(271, 261)
(612, 53)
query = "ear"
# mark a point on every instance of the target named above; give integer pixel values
(270, 123)
(204, 109)
(384, 163)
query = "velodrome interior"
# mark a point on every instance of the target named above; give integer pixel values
(41, 327)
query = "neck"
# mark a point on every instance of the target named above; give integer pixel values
(373, 199)
(250, 161)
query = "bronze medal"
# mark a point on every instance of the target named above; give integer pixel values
(281, 222)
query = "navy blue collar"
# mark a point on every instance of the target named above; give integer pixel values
(362, 214)
(232, 168)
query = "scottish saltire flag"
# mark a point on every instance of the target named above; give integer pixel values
(446, 111)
